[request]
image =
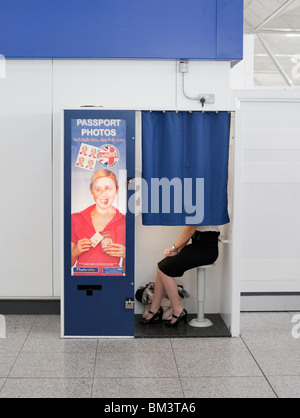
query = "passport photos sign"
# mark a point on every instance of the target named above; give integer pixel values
(98, 197)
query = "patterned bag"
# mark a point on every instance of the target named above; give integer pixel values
(145, 296)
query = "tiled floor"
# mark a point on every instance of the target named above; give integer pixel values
(263, 362)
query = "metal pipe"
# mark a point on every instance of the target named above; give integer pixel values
(186, 95)
(274, 59)
(274, 31)
(277, 12)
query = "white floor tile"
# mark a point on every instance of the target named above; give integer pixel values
(6, 364)
(286, 386)
(13, 343)
(47, 324)
(264, 362)
(51, 343)
(135, 358)
(227, 387)
(1, 383)
(280, 363)
(136, 364)
(47, 388)
(214, 357)
(55, 365)
(265, 321)
(276, 340)
(19, 323)
(137, 388)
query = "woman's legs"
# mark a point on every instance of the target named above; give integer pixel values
(172, 291)
(165, 284)
(159, 292)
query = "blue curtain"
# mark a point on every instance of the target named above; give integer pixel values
(185, 168)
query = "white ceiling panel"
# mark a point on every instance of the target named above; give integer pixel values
(278, 23)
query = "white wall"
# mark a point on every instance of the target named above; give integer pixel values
(26, 186)
(31, 100)
(242, 74)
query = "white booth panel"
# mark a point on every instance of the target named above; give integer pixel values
(271, 125)
(271, 173)
(269, 113)
(229, 290)
(272, 155)
(271, 221)
(270, 269)
(26, 167)
(268, 185)
(273, 286)
(283, 137)
(271, 275)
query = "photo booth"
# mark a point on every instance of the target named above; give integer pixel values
(121, 68)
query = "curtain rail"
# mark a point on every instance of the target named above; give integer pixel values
(191, 111)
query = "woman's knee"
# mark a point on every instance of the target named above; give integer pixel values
(159, 271)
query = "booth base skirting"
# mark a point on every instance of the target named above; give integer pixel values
(159, 330)
(29, 307)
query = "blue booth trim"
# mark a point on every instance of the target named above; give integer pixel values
(116, 29)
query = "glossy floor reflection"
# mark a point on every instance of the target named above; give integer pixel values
(263, 362)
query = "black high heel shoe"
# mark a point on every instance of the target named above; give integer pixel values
(183, 316)
(158, 314)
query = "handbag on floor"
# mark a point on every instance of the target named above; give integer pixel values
(145, 296)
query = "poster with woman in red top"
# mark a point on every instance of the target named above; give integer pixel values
(98, 220)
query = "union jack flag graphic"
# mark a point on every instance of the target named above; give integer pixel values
(108, 156)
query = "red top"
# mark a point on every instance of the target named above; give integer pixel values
(114, 231)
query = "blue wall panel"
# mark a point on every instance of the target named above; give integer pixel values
(161, 29)
(230, 29)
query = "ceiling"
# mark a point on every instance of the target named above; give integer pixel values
(276, 28)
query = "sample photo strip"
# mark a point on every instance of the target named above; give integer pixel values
(87, 157)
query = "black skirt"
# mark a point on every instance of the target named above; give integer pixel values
(201, 252)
